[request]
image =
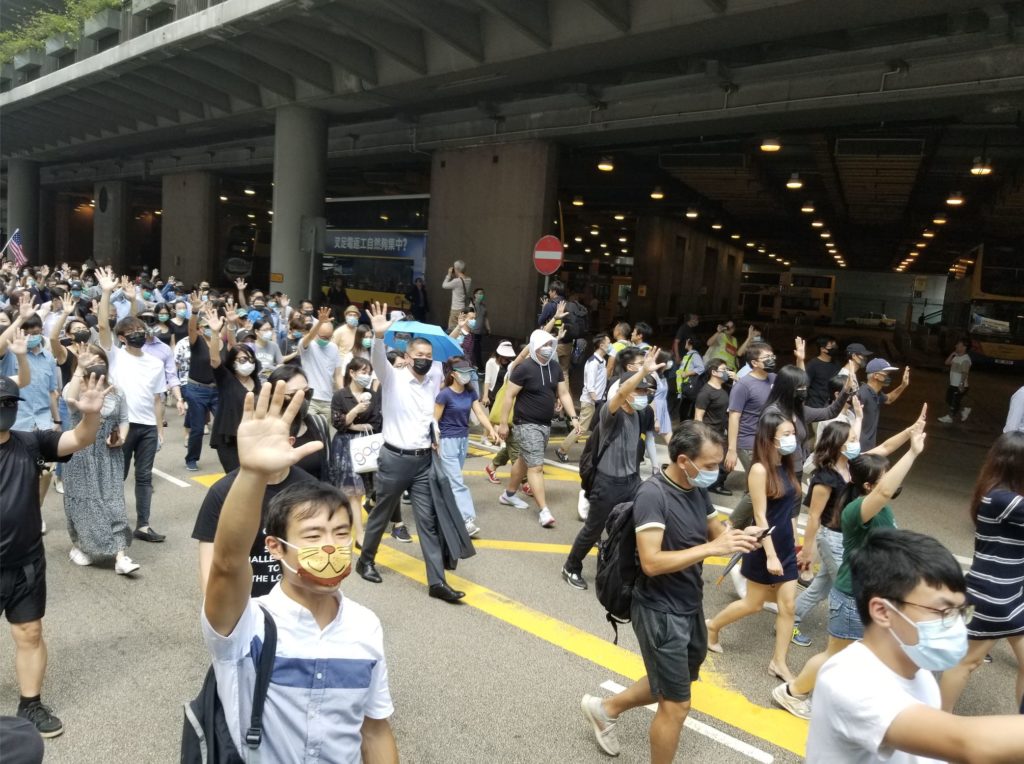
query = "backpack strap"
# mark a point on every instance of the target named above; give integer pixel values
(254, 735)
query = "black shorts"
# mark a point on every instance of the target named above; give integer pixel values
(23, 592)
(673, 647)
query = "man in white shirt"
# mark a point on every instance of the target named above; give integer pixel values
(321, 363)
(407, 403)
(461, 287)
(140, 377)
(878, 701)
(595, 382)
(328, 698)
(1015, 416)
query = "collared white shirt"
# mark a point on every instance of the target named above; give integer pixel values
(407, 405)
(325, 683)
(595, 379)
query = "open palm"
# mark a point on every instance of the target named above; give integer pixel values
(264, 436)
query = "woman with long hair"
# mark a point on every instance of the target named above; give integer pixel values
(237, 373)
(308, 427)
(94, 477)
(995, 583)
(771, 571)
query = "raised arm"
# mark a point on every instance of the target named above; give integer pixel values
(63, 315)
(89, 402)
(241, 286)
(19, 347)
(886, 488)
(894, 395)
(897, 440)
(107, 282)
(378, 353)
(216, 324)
(323, 316)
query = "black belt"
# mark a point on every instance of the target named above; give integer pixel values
(407, 451)
(201, 384)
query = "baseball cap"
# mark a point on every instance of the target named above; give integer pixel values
(74, 285)
(462, 365)
(506, 350)
(9, 390)
(647, 383)
(856, 348)
(244, 334)
(879, 365)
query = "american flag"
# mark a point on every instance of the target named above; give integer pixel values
(16, 251)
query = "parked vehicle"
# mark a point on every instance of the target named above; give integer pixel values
(877, 320)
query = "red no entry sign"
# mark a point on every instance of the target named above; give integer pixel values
(547, 255)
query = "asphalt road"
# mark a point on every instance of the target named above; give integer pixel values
(498, 678)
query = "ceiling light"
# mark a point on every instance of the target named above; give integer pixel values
(807, 207)
(716, 226)
(785, 262)
(251, 216)
(940, 218)
(603, 245)
(772, 255)
(762, 250)
(159, 212)
(770, 145)
(624, 251)
(921, 244)
(794, 183)
(692, 213)
(620, 216)
(250, 192)
(825, 235)
(928, 234)
(751, 244)
(622, 239)
(734, 236)
(842, 265)
(384, 217)
(657, 193)
(955, 199)
(223, 198)
(577, 201)
(606, 164)
(594, 232)
(837, 257)
(981, 167)
(818, 224)
(578, 239)
(587, 250)
(565, 245)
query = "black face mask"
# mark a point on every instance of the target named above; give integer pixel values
(81, 336)
(800, 394)
(8, 415)
(768, 365)
(422, 365)
(135, 339)
(829, 351)
(100, 370)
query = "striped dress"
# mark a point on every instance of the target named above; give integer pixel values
(995, 584)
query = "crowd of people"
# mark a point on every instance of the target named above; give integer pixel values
(321, 411)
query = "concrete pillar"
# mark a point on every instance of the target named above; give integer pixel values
(23, 205)
(300, 176)
(187, 229)
(488, 207)
(110, 224)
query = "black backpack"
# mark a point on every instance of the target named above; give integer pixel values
(205, 735)
(591, 456)
(576, 321)
(618, 566)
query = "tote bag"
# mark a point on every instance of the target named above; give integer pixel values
(365, 451)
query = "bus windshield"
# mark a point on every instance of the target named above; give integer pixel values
(997, 319)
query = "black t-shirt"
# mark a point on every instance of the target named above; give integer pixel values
(535, 403)
(199, 367)
(684, 516)
(266, 571)
(818, 374)
(684, 333)
(834, 508)
(343, 401)
(715, 405)
(230, 403)
(21, 538)
(178, 331)
(316, 463)
(67, 369)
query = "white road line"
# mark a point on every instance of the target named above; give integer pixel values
(708, 731)
(171, 479)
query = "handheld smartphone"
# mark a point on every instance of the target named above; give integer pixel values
(765, 533)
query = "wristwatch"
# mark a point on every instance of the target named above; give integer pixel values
(57, 421)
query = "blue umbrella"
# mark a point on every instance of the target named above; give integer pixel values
(402, 331)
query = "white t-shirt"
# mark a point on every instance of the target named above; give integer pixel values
(141, 379)
(958, 369)
(856, 699)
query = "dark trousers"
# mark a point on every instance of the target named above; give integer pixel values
(397, 473)
(478, 351)
(228, 455)
(605, 493)
(141, 443)
(955, 399)
(201, 400)
(686, 407)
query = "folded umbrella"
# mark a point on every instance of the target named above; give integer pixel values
(401, 332)
(451, 528)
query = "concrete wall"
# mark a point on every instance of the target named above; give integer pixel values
(488, 207)
(187, 229)
(110, 224)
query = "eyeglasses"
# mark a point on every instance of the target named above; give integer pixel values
(949, 614)
(306, 393)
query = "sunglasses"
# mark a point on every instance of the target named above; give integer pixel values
(306, 393)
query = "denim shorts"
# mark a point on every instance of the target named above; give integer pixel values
(843, 620)
(533, 442)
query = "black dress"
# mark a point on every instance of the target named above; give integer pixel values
(231, 402)
(780, 511)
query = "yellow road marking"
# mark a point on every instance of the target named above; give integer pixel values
(547, 476)
(208, 480)
(710, 695)
(536, 546)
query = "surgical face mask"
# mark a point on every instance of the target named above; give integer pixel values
(704, 478)
(367, 342)
(81, 335)
(326, 565)
(939, 647)
(322, 342)
(363, 380)
(181, 313)
(851, 450)
(31, 283)
(297, 335)
(8, 415)
(638, 402)
(422, 365)
(207, 332)
(884, 380)
(76, 293)
(352, 320)
(768, 363)
(272, 304)
(135, 339)
(545, 353)
(245, 368)
(787, 444)
(163, 318)
(471, 323)
(267, 336)
(34, 341)
(147, 295)
(464, 377)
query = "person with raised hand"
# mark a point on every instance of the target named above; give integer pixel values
(308, 531)
(321, 363)
(407, 404)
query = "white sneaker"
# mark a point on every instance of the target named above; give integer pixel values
(547, 520)
(799, 707)
(58, 484)
(738, 581)
(125, 565)
(79, 557)
(472, 529)
(583, 506)
(771, 607)
(604, 728)
(512, 501)
(946, 419)
(964, 413)
(43, 530)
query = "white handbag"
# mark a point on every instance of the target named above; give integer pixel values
(365, 451)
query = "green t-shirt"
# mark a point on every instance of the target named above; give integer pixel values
(854, 534)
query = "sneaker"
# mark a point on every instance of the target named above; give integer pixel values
(547, 520)
(771, 607)
(946, 419)
(58, 485)
(512, 501)
(604, 728)
(79, 557)
(125, 565)
(964, 413)
(42, 717)
(206, 429)
(407, 498)
(738, 581)
(575, 580)
(561, 456)
(42, 530)
(490, 472)
(525, 488)
(800, 639)
(583, 506)
(401, 533)
(192, 466)
(799, 707)
(472, 529)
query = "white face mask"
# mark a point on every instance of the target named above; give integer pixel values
(266, 336)
(245, 368)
